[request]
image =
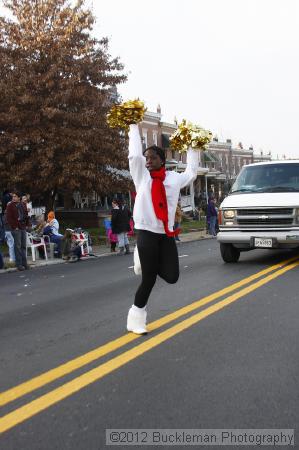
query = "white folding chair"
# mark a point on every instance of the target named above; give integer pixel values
(33, 243)
(50, 246)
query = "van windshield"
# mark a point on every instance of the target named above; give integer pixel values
(267, 178)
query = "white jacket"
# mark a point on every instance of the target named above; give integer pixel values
(144, 214)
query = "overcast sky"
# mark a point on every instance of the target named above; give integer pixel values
(231, 66)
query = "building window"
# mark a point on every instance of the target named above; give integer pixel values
(155, 137)
(144, 138)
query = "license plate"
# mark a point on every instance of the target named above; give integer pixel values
(263, 242)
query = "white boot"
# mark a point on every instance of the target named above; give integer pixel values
(137, 265)
(136, 321)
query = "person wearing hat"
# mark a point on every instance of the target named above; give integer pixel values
(52, 230)
(154, 212)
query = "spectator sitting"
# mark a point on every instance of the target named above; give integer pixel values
(53, 223)
(52, 230)
(38, 230)
(71, 250)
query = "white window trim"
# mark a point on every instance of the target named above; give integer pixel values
(144, 135)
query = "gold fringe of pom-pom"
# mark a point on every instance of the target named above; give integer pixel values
(190, 135)
(125, 114)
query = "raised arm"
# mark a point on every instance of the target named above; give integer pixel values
(136, 159)
(190, 172)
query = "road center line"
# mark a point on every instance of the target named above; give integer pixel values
(30, 409)
(78, 362)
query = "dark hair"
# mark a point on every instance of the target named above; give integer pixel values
(17, 193)
(160, 152)
(67, 234)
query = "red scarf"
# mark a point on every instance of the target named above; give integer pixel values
(159, 199)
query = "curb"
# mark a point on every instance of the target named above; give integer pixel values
(98, 255)
(56, 262)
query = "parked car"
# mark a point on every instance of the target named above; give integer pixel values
(261, 210)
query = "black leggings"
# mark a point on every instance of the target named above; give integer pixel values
(158, 256)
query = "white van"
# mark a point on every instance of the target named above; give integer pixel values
(261, 210)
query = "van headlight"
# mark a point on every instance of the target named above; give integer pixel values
(228, 217)
(229, 214)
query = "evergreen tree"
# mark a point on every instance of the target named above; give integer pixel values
(57, 83)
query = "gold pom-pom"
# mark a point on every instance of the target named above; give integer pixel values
(181, 137)
(190, 135)
(126, 114)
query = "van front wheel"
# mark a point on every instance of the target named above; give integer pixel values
(229, 253)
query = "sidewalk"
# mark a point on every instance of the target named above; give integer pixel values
(104, 250)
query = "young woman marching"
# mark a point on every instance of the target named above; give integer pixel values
(154, 211)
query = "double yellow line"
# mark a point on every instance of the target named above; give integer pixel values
(57, 394)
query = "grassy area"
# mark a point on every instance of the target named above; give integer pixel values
(188, 226)
(98, 235)
(3, 249)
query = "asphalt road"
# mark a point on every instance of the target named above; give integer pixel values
(229, 361)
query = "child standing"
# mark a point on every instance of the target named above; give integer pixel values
(113, 240)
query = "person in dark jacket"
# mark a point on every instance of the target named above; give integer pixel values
(16, 216)
(120, 225)
(212, 216)
(6, 198)
(2, 230)
(2, 239)
(1, 261)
